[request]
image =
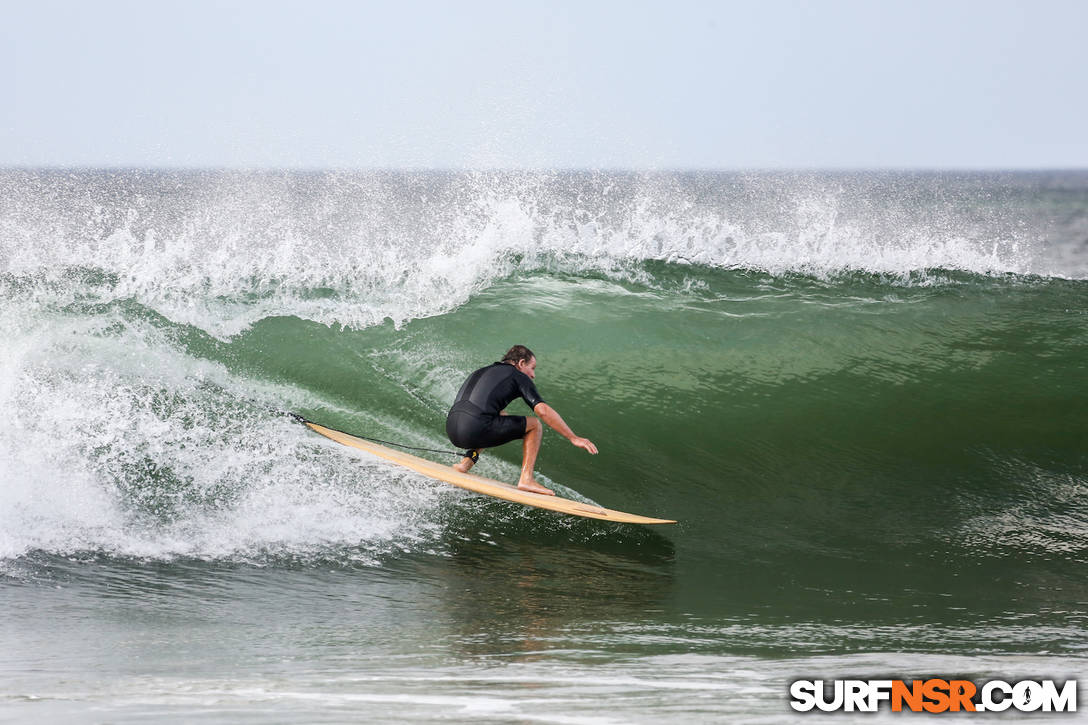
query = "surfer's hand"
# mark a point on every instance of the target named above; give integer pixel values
(584, 443)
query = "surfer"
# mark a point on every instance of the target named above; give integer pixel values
(478, 417)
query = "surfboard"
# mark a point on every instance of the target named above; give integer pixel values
(479, 484)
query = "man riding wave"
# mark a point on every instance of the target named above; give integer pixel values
(478, 417)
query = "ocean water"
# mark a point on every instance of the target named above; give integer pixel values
(863, 396)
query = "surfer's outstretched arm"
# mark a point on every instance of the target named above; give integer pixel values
(549, 415)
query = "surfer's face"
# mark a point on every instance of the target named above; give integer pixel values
(529, 368)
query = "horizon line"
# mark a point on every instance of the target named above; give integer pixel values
(921, 169)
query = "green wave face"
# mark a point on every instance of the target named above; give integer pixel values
(843, 405)
(796, 423)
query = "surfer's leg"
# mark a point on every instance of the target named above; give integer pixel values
(466, 463)
(534, 432)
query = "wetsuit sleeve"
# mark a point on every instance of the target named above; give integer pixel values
(528, 391)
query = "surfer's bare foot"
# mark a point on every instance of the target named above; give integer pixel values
(535, 487)
(465, 464)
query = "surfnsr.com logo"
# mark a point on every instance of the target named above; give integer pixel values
(933, 695)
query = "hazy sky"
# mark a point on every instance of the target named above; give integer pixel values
(648, 85)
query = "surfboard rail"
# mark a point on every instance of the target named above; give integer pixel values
(479, 484)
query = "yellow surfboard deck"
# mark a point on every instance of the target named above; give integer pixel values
(483, 485)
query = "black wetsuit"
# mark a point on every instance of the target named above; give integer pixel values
(474, 420)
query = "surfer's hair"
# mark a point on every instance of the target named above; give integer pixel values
(518, 353)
